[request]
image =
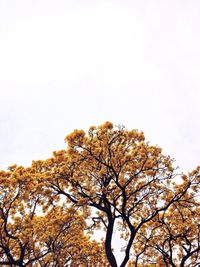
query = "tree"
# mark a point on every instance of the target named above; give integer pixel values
(126, 182)
(109, 179)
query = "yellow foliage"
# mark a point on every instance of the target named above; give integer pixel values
(108, 178)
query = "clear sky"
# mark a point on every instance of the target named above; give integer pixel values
(72, 64)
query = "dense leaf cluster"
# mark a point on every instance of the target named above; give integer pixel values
(109, 179)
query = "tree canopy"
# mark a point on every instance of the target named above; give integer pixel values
(109, 179)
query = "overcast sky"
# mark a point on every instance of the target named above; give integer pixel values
(72, 64)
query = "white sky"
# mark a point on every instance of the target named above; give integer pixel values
(73, 64)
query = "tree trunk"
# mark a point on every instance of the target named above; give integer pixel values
(108, 243)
